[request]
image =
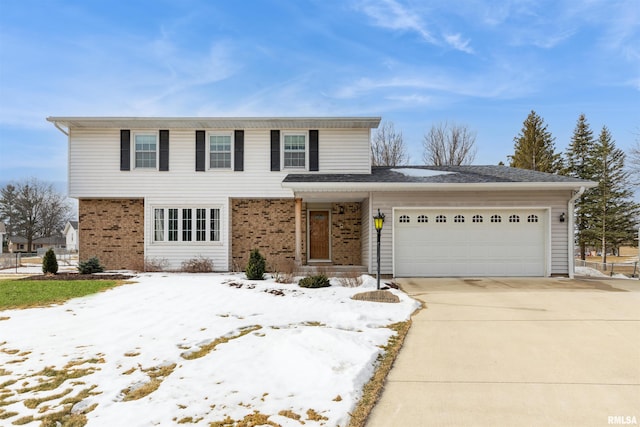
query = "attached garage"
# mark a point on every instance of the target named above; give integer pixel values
(470, 242)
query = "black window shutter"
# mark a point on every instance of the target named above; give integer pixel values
(314, 161)
(275, 150)
(164, 150)
(125, 150)
(238, 150)
(200, 151)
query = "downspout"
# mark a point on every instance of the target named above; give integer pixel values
(571, 232)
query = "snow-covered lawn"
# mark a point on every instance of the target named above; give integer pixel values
(217, 348)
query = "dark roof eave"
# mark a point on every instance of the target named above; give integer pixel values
(431, 186)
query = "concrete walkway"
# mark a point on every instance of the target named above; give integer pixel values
(517, 352)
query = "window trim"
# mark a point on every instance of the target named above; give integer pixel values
(179, 232)
(156, 135)
(231, 135)
(284, 134)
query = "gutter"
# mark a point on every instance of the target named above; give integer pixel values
(570, 231)
(55, 123)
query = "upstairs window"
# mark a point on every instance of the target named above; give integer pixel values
(294, 151)
(220, 151)
(146, 151)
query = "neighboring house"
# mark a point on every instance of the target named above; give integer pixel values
(304, 190)
(3, 231)
(19, 243)
(70, 234)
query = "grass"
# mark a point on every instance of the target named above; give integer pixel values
(373, 388)
(38, 293)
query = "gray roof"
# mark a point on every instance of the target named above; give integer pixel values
(428, 174)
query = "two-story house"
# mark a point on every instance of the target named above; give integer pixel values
(304, 189)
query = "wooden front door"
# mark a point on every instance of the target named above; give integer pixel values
(319, 235)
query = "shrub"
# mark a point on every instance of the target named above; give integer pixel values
(350, 279)
(283, 271)
(49, 262)
(197, 265)
(90, 266)
(256, 266)
(317, 281)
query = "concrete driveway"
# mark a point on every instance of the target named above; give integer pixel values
(526, 352)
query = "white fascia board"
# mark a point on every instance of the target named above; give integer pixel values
(416, 186)
(216, 122)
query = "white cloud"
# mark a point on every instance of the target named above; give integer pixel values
(456, 41)
(392, 15)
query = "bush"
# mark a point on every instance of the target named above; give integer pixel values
(197, 265)
(90, 266)
(317, 281)
(49, 262)
(256, 266)
(283, 271)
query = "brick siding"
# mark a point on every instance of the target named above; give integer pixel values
(346, 234)
(268, 225)
(113, 231)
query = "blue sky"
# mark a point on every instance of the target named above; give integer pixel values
(485, 64)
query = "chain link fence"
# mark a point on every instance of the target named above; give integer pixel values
(10, 260)
(629, 269)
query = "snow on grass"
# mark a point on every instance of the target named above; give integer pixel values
(127, 356)
(592, 272)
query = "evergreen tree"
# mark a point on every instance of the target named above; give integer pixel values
(614, 211)
(49, 262)
(580, 165)
(534, 147)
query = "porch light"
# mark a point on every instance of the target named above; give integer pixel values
(378, 221)
(562, 217)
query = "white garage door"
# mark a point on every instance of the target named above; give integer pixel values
(466, 242)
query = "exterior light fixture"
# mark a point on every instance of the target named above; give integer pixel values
(378, 221)
(562, 217)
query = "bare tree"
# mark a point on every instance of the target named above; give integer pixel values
(388, 148)
(449, 144)
(34, 209)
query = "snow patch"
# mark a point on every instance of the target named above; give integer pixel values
(420, 173)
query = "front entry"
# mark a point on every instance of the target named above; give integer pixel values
(319, 235)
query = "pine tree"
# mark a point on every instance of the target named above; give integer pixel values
(534, 147)
(614, 211)
(49, 262)
(580, 165)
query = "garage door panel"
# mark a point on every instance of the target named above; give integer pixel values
(512, 245)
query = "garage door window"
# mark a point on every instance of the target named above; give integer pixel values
(514, 218)
(496, 218)
(423, 219)
(458, 218)
(477, 218)
(532, 218)
(404, 219)
(441, 218)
